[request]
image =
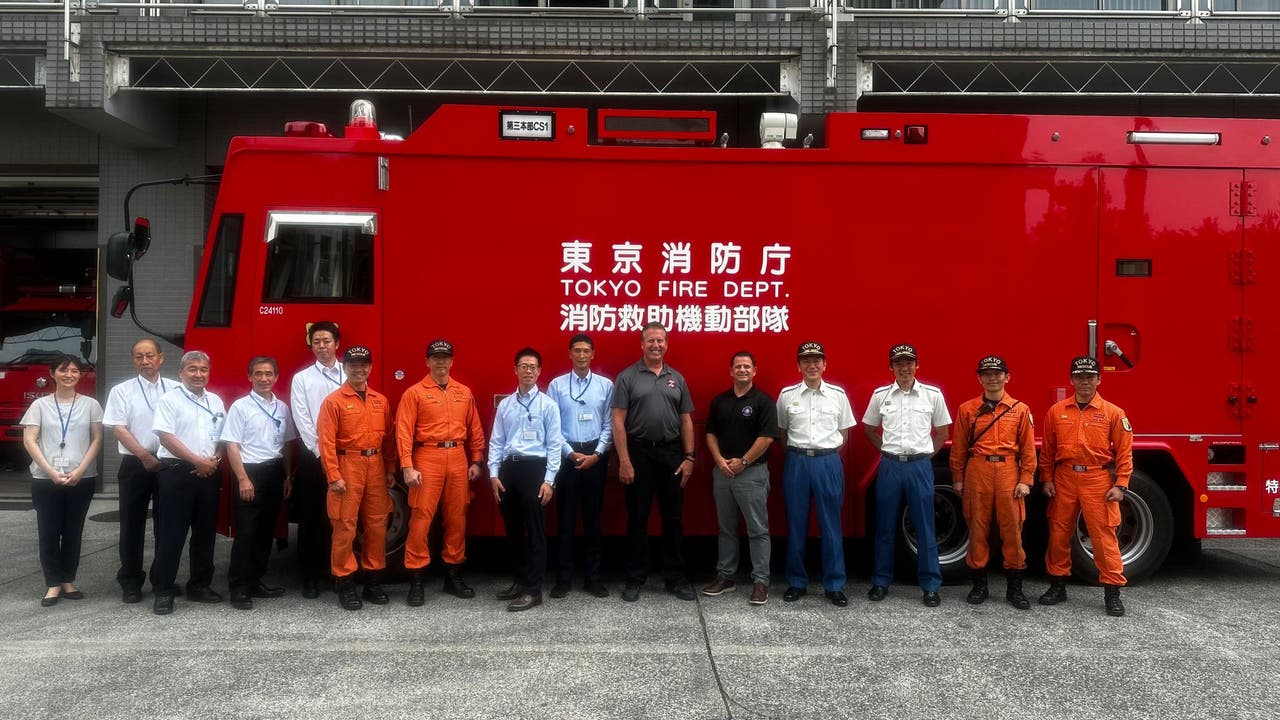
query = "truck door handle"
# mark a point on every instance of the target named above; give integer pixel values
(1112, 348)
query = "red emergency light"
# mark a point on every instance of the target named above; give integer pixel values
(656, 126)
(306, 128)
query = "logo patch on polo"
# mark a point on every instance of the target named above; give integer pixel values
(671, 382)
(746, 411)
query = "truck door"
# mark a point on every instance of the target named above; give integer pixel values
(1169, 304)
(1260, 386)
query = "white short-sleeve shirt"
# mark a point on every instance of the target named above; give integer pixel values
(196, 421)
(907, 417)
(260, 427)
(813, 419)
(52, 417)
(132, 405)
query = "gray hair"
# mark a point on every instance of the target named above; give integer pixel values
(193, 356)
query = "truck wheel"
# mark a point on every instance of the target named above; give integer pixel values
(1145, 533)
(949, 526)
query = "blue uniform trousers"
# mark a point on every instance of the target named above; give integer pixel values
(914, 481)
(823, 478)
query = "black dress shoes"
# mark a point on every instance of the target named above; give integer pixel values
(310, 589)
(877, 593)
(203, 595)
(681, 590)
(511, 593)
(631, 593)
(560, 590)
(837, 598)
(163, 605)
(524, 602)
(793, 594)
(263, 591)
(131, 596)
(242, 602)
(73, 595)
(597, 589)
(931, 598)
(49, 601)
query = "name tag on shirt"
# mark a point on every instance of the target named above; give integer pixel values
(586, 416)
(61, 463)
(530, 435)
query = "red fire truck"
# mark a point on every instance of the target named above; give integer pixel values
(48, 306)
(1147, 242)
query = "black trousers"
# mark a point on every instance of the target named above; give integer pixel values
(255, 526)
(137, 491)
(522, 513)
(60, 514)
(580, 491)
(315, 532)
(190, 504)
(655, 475)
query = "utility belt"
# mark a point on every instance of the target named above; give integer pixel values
(812, 452)
(370, 452)
(911, 457)
(437, 444)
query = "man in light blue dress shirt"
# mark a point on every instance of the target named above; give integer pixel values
(524, 456)
(583, 399)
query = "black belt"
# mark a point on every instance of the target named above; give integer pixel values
(587, 447)
(812, 452)
(524, 459)
(1089, 468)
(905, 458)
(992, 458)
(633, 440)
(366, 453)
(264, 463)
(445, 444)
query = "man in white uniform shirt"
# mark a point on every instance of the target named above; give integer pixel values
(815, 416)
(259, 438)
(309, 388)
(131, 408)
(907, 422)
(189, 423)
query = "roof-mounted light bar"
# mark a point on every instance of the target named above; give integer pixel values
(1152, 137)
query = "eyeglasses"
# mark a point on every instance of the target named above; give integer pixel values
(526, 367)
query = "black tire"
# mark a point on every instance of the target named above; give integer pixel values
(1145, 533)
(950, 527)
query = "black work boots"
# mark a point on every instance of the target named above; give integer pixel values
(1111, 600)
(1013, 590)
(346, 589)
(417, 588)
(979, 592)
(1057, 591)
(454, 584)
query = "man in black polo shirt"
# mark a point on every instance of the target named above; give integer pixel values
(741, 427)
(651, 404)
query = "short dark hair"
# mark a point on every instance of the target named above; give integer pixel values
(743, 353)
(655, 325)
(581, 337)
(527, 352)
(326, 325)
(154, 344)
(264, 360)
(63, 359)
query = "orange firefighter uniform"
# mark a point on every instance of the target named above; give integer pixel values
(357, 446)
(992, 452)
(1085, 452)
(439, 435)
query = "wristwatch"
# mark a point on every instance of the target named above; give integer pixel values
(691, 456)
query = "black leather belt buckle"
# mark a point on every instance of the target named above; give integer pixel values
(364, 453)
(995, 458)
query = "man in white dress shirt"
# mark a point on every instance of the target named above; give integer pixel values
(309, 388)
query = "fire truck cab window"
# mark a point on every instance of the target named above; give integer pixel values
(220, 283)
(319, 262)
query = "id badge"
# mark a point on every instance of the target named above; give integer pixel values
(530, 435)
(61, 463)
(587, 416)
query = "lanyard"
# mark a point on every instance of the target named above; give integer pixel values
(341, 376)
(263, 408)
(202, 405)
(143, 389)
(578, 398)
(66, 424)
(529, 404)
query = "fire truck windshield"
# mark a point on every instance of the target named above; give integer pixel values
(34, 338)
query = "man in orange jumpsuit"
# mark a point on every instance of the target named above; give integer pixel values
(358, 453)
(1085, 463)
(993, 464)
(441, 450)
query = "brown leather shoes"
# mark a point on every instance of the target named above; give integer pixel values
(524, 602)
(759, 594)
(719, 586)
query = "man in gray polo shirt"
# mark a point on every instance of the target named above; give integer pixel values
(652, 408)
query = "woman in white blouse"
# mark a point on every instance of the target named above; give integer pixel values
(62, 433)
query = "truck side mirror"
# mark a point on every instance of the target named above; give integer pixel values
(121, 301)
(141, 237)
(118, 258)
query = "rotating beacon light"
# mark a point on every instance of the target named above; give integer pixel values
(362, 124)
